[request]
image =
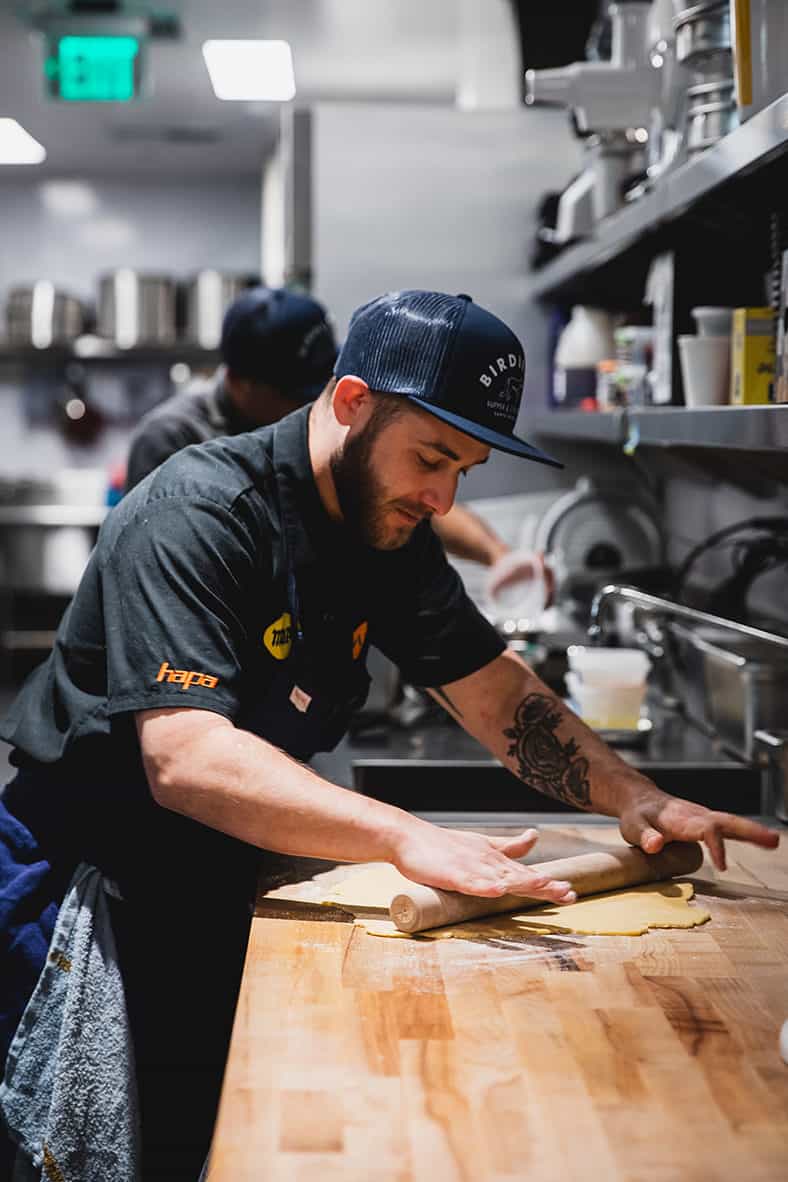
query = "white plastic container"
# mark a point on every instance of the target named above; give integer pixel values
(606, 707)
(705, 367)
(586, 339)
(713, 322)
(608, 666)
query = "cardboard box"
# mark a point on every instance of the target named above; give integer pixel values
(752, 356)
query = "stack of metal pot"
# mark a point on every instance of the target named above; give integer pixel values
(41, 316)
(704, 46)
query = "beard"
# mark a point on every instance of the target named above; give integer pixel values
(366, 508)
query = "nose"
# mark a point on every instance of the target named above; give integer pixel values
(439, 497)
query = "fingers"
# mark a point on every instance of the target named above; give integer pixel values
(742, 829)
(510, 878)
(651, 840)
(541, 887)
(638, 831)
(538, 886)
(713, 839)
(560, 892)
(517, 847)
(688, 822)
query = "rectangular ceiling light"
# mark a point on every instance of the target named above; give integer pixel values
(254, 71)
(17, 146)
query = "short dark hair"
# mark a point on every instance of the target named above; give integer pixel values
(385, 409)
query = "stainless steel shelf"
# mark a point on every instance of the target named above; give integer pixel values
(106, 352)
(600, 426)
(738, 428)
(748, 147)
(86, 516)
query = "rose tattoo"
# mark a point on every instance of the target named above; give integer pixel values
(544, 762)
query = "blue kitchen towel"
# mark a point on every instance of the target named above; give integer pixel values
(69, 1092)
(28, 911)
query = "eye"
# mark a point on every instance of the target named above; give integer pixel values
(428, 465)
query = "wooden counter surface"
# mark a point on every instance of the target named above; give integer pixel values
(552, 1058)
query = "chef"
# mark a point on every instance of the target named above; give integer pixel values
(218, 639)
(278, 351)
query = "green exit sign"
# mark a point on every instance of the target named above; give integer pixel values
(93, 69)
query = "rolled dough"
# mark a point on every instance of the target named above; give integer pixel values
(629, 912)
(374, 886)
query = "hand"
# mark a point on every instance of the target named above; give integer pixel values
(458, 860)
(654, 818)
(519, 566)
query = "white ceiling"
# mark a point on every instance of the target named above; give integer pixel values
(389, 50)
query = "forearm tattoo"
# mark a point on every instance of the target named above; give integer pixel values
(557, 769)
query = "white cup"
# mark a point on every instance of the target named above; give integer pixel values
(608, 666)
(607, 707)
(713, 322)
(705, 368)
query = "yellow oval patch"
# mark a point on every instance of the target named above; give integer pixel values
(278, 637)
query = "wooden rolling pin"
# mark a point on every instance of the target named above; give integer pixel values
(423, 907)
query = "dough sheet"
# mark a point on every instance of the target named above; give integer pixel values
(628, 912)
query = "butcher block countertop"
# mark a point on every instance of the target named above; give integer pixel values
(553, 1058)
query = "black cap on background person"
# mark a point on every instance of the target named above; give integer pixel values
(281, 339)
(278, 350)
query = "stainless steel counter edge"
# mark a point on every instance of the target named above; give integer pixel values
(540, 820)
(630, 756)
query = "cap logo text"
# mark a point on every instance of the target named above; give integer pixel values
(499, 366)
(313, 338)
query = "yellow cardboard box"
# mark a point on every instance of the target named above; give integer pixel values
(752, 356)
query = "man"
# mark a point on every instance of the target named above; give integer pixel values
(278, 350)
(219, 637)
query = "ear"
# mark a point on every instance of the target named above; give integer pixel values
(351, 400)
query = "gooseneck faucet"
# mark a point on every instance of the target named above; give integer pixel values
(666, 607)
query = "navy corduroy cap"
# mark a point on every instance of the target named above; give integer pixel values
(281, 338)
(447, 355)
